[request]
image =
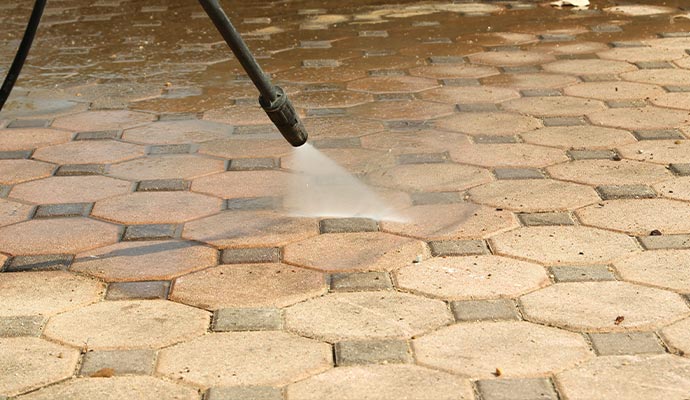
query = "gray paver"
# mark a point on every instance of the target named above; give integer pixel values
(152, 232)
(253, 164)
(244, 393)
(623, 343)
(250, 255)
(546, 218)
(599, 78)
(654, 65)
(626, 103)
(517, 389)
(483, 310)
(361, 281)
(42, 262)
(518, 173)
(337, 143)
(247, 319)
(15, 155)
(476, 107)
(589, 273)
(118, 362)
(423, 158)
(22, 326)
(492, 139)
(29, 123)
(348, 225)
(254, 203)
(540, 92)
(138, 290)
(426, 198)
(665, 242)
(658, 134)
(612, 192)
(97, 135)
(80, 169)
(162, 185)
(441, 248)
(564, 121)
(680, 169)
(63, 210)
(593, 154)
(372, 352)
(460, 82)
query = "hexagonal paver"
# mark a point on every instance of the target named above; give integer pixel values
(678, 188)
(677, 77)
(562, 245)
(56, 236)
(183, 166)
(238, 184)
(477, 350)
(12, 212)
(614, 90)
(449, 221)
(422, 141)
(414, 110)
(472, 277)
(145, 261)
(534, 195)
(113, 388)
(341, 127)
(639, 216)
(250, 229)
(643, 54)
(454, 71)
(677, 336)
(588, 67)
(89, 152)
(470, 94)
(480, 123)
(27, 363)
(507, 155)
(640, 118)
(639, 10)
(366, 251)
(382, 382)
(102, 120)
(662, 268)
(658, 151)
(46, 293)
(672, 100)
(366, 315)
(553, 106)
(156, 207)
(430, 177)
(331, 99)
(609, 172)
(567, 137)
(531, 81)
(135, 324)
(510, 58)
(628, 378)
(578, 47)
(392, 84)
(257, 285)
(70, 189)
(17, 171)
(176, 132)
(240, 148)
(603, 306)
(258, 358)
(31, 138)
(329, 163)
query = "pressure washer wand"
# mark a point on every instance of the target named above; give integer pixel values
(272, 98)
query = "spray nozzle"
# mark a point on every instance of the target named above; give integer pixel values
(285, 118)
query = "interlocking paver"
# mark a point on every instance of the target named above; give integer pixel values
(498, 124)
(639, 118)
(361, 281)
(102, 120)
(662, 268)
(177, 132)
(534, 195)
(440, 177)
(615, 91)
(510, 58)
(69, 189)
(84, 152)
(507, 155)
(247, 319)
(675, 189)
(17, 171)
(372, 352)
(609, 172)
(237, 184)
(553, 106)
(144, 290)
(156, 207)
(12, 212)
(573, 273)
(657, 151)
(634, 217)
(567, 137)
(183, 166)
(244, 392)
(31, 138)
(482, 310)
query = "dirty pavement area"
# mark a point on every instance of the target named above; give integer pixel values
(537, 159)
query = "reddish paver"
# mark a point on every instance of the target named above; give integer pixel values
(341, 127)
(568, 137)
(17, 171)
(392, 84)
(454, 71)
(239, 184)
(184, 166)
(102, 120)
(12, 212)
(534, 195)
(470, 94)
(85, 152)
(415, 142)
(240, 148)
(609, 172)
(31, 138)
(507, 155)
(481, 123)
(176, 132)
(430, 177)
(70, 189)
(156, 207)
(414, 110)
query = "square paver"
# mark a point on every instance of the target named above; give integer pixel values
(29, 123)
(247, 319)
(80, 169)
(612, 192)
(163, 185)
(556, 37)
(171, 149)
(361, 281)
(182, 116)
(253, 203)
(483, 310)
(426, 198)
(620, 343)
(476, 107)
(244, 393)
(593, 154)
(546, 219)
(372, 352)
(386, 72)
(502, 48)
(517, 389)
(98, 135)
(564, 121)
(461, 82)
(138, 290)
(42, 262)
(654, 65)
(665, 242)
(118, 362)
(16, 326)
(250, 255)
(325, 112)
(337, 143)
(518, 173)
(540, 92)
(5, 190)
(606, 28)
(680, 169)
(348, 225)
(627, 44)
(522, 69)
(152, 232)
(15, 154)
(406, 125)
(493, 139)
(447, 60)
(677, 88)
(63, 210)
(393, 97)
(443, 248)
(626, 103)
(423, 158)
(589, 273)
(599, 78)
(658, 134)
(253, 164)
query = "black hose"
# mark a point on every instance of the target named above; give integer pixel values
(22, 52)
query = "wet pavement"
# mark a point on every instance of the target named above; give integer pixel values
(538, 160)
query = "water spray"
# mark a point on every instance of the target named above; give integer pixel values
(272, 98)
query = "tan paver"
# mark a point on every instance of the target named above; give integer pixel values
(27, 363)
(237, 184)
(89, 152)
(258, 358)
(532, 81)
(422, 141)
(12, 212)
(184, 166)
(510, 58)
(31, 138)
(638, 217)
(678, 188)
(603, 306)
(17, 171)
(563, 245)
(56, 236)
(497, 124)
(642, 54)
(367, 251)
(113, 388)
(70, 189)
(628, 378)
(507, 155)
(415, 110)
(609, 172)
(392, 84)
(454, 71)
(102, 120)
(341, 127)
(382, 382)
(657, 151)
(240, 148)
(534, 195)
(472, 277)
(469, 94)
(663, 268)
(144, 260)
(588, 67)
(659, 77)
(517, 349)
(177, 132)
(616, 91)
(677, 336)
(156, 207)
(251, 285)
(46, 293)
(135, 324)
(640, 118)
(430, 177)
(366, 315)
(331, 99)
(671, 100)
(567, 137)
(553, 106)
(238, 115)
